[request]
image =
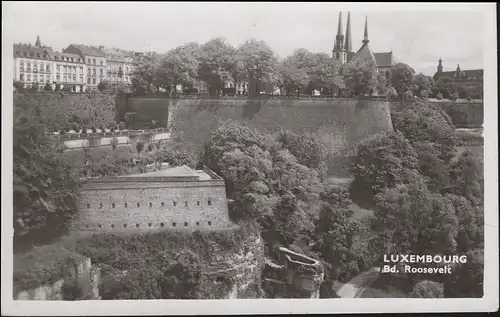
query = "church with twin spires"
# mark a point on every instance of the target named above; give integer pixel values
(343, 52)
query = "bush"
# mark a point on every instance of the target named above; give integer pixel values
(427, 289)
(439, 96)
(454, 96)
(48, 87)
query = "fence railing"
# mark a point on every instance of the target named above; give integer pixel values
(76, 136)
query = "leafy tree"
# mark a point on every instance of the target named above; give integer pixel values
(427, 289)
(103, 85)
(45, 189)
(470, 221)
(146, 77)
(217, 63)
(48, 87)
(423, 83)
(466, 175)
(383, 160)
(181, 277)
(291, 78)
(467, 278)
(361, 77)
(139, 147)
(179, 67)
(454, 96)
(258, 64)
(439, 96)
(114, 143)
(402, 78)
(445, 86)
(18, 85)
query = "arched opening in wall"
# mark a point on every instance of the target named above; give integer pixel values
(162, 224)
(162, 204)
(185, 224)
(137, 225)
(126, 205)
(150, 204)
(174, 224)
(124, 226)
(88, 205)
(210, 202)
(198, 202)
(209, 223)
(175, 203)
(113, 205)
(149, 224)
(138, 205)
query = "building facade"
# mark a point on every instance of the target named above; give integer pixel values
(95, 61)
(471, 79)
(172, 198)
(121, 66)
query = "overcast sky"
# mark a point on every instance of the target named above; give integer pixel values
(418, 38)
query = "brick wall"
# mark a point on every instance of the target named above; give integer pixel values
(131, 204)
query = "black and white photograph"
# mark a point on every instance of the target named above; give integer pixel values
(197, 154)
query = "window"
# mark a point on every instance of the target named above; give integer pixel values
(94, 61)
(25, 54)
(93, 81)
(149, 224)
(102, 62)
(93, 72)
(29, 77)
(125, 226)
(112, 226)
(58, 77)
(125, 205)
(175, 203)
(137, 225)
(100, 206)
(162, 224)
(150, 204)
(185, 224)
(185, 204)
(88, 205)
(81, 78)
(99, 226)
(174, 224)
(88, 60)
(113, 205)
(198, 202)
(209, 202)
(21, 77)
(209, 223)
(162, 204)
(48, 78)
(74, 77)
(138, 205)
(88, 80)
(197, 223)
(101, 72)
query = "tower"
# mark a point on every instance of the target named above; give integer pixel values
(348, 38)
(440, 66)
(339, 52)
(38, 43)
(365, 37)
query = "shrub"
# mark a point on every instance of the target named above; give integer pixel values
(439, 96)
(58, 87)
(150, 147)
(48, 87)
(427, 289)
(454, 96)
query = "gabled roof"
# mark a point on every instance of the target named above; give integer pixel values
(385, 59)
(34, 52)
(470, 74)
(364, 54)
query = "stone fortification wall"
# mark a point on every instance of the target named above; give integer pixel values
(131, 203)
(295, 275)
(59, 110)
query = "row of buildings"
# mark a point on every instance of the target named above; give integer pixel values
(79, 67)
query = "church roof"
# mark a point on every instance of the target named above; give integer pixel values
(385, 59)
(365, 54)
(470, 74)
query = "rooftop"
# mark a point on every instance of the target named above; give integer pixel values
(179, 171)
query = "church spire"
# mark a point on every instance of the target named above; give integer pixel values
(440, 66)
(365, 38)
(339, 29)
(38, 43)
(348, 40)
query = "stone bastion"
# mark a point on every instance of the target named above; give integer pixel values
(176, 198)
(295, 275)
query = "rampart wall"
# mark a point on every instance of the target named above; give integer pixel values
(135, 203)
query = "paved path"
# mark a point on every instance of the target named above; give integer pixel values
(355, 287)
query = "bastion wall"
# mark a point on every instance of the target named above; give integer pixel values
(135, 203)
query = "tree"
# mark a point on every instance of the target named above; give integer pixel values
(18, 85)
(181, 277)
(427, 289)
(445, 86)
(293, 79)
(114, 143)
(258, 63)
(423, 83)
(361, 77)
(139, 147)
(402, 78)
(217, 63)
(466, 175)
(467, 278)
(179, 67)
(48, 87)
(45, 188)
(103, 85)
(145, 80)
